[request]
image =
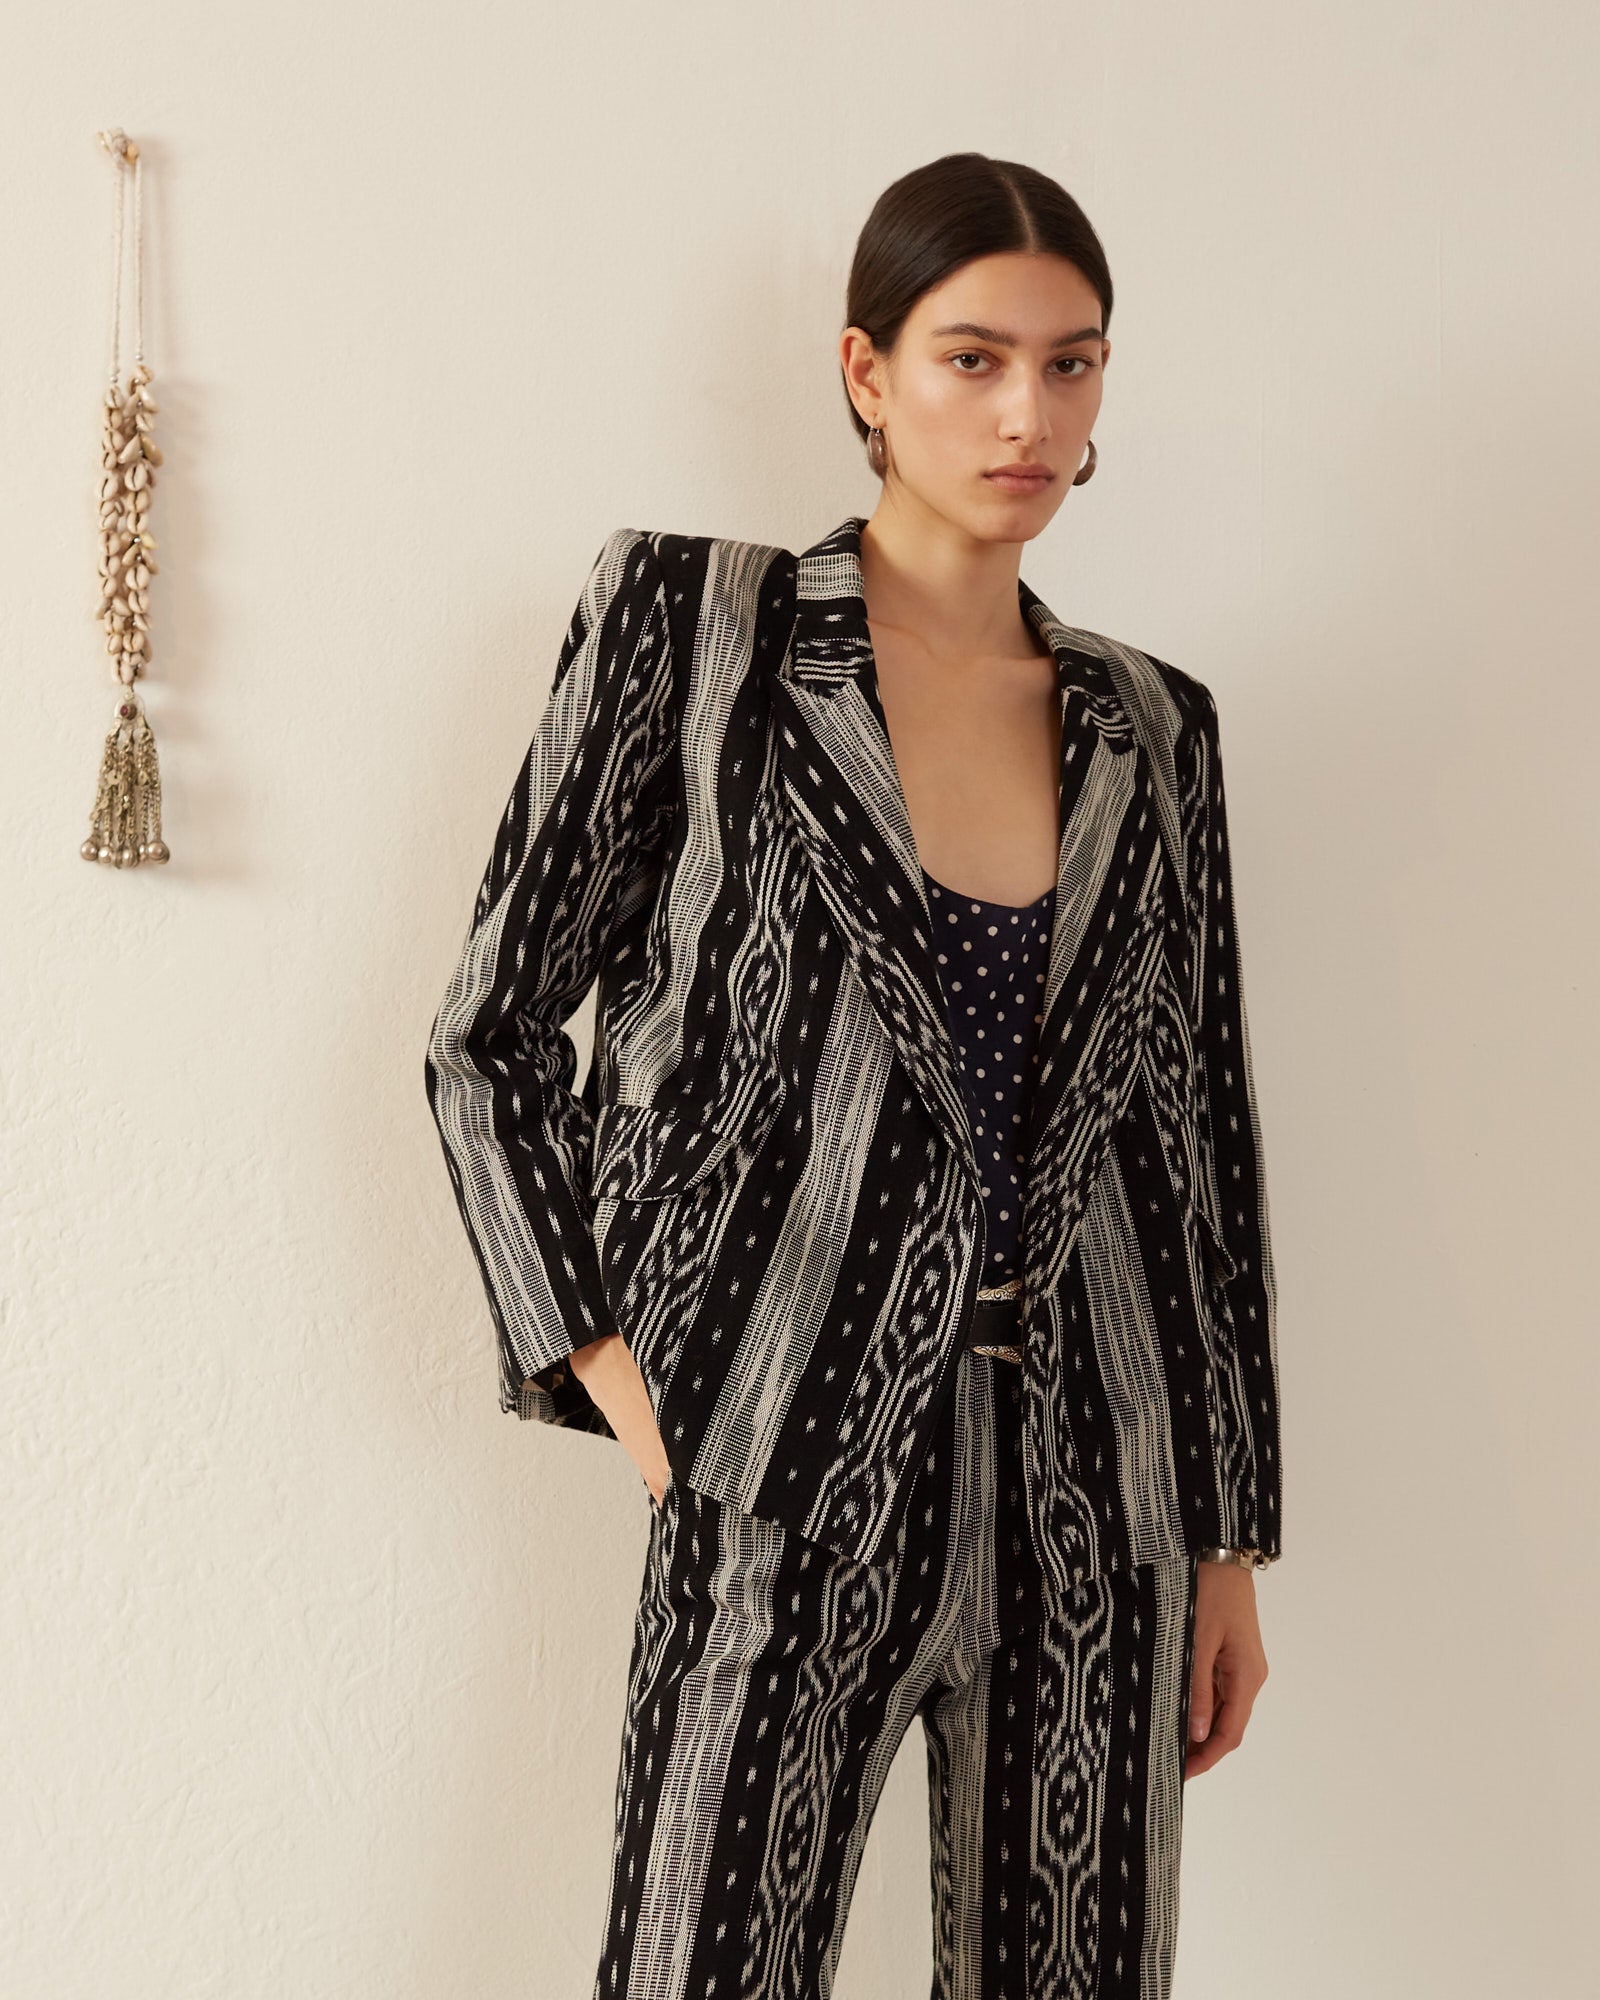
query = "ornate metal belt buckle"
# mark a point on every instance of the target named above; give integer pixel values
(999, 1350)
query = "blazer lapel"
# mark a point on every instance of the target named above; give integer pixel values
(1116, 870)
(849, 807)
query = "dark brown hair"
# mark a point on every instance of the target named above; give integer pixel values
(938, 217)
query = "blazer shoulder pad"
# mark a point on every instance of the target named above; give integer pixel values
(1188, 693)
(1186, 689)
(672, 547)
(1154, 686)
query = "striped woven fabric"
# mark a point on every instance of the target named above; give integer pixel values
(768, 1182)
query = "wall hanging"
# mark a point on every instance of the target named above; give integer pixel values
(125, 825)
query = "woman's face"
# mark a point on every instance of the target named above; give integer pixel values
(1002, 362)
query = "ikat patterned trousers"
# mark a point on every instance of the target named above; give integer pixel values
(773, 1681)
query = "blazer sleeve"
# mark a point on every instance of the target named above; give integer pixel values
(589, 808)
(1239, 1191)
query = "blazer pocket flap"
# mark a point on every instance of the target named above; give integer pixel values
(643, 1151)
(1222, 1259)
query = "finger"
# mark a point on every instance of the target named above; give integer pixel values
(1200, 1757)
(1202, 1687)
(1229, 1721)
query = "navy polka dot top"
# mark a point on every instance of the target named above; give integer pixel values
(993, 958)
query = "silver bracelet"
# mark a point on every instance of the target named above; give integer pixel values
(1245, 1558)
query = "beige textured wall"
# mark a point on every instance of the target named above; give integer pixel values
(313, 1663)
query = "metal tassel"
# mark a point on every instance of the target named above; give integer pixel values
(125, 827)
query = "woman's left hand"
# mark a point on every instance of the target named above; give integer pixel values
(1229, 1663)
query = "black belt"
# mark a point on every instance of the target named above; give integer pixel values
(997, 1322)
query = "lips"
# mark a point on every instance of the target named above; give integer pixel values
(1019, 482)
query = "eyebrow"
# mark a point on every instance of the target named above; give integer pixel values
(1000, 338)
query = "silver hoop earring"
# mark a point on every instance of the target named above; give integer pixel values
(877, 452)
(1085, 472)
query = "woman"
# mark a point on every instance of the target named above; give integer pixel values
(910, 1228)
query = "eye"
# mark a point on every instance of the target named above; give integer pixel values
(1068, 361)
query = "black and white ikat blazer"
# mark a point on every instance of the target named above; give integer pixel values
(768, 1182)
